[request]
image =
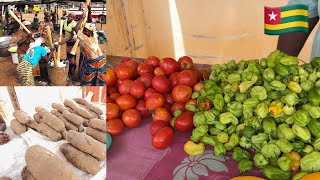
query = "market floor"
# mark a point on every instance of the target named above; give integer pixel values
(8, 72)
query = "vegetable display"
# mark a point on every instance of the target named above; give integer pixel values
(270, 106)
(161, 89)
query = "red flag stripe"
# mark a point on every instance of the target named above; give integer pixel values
(272, 15)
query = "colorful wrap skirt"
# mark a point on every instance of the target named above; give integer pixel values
(93, 72)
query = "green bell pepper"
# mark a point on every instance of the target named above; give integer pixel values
(301, 132)
(314, 127)
(284, 145)
(289, 60)
(262, 110)
(228, 117)
(301, 118)
(259, 92)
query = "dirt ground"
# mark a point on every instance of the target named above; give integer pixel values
(8, 73)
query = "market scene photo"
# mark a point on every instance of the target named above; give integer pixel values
(52, 43)
(215, 90)
(53, 133)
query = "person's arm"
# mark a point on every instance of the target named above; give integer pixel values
(292, 43)
(2, 124)
(89, 18)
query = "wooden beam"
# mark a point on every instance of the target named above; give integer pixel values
(13, 98)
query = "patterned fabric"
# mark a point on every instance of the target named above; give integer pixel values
(24, 69)
(93, 72)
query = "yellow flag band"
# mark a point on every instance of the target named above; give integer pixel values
(286, 25)
(299, 12)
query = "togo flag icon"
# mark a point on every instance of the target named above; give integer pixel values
(285, 19)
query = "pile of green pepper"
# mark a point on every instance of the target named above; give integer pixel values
(270, 105)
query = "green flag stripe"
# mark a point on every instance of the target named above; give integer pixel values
(287, 30)
(294, 18)
(294, 7)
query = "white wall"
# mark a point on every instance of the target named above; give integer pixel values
(210, 31)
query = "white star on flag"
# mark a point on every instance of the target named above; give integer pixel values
(273, 16)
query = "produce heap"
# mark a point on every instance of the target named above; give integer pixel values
(270, 106)
(163, 89)
(66, 121)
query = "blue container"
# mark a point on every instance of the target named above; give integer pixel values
(109, 140)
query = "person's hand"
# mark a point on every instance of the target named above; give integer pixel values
(30, 34)
(4, 138)
(52, 49)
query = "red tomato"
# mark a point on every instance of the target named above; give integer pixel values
(152, 61)
(184, 122)
(111, 77)
(175, 106)
(169, 98)
(126, 102)
(146, 78)
(124, 87)
(125, 59)
(198, 73)
(114, 96)
(198, 86)
(137, 89)
(112, 111)
(192, 101)
(162, 114)
(155, 101)
(111, 90)
(185, 62)
(131, 118)
(169, 66)
(144, 68)
(163, 138)
(149, 92)
(141, 106)
(123, 71)
(119, 81)
(115, 126)
(167, 106)
(161, 84)
(174, 79)
(182, 93)
(110, 100)
(134, 66)
(158, 71)
(188, 77)
(157, 125)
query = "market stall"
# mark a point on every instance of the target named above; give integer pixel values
(255, 117)
(26, 99)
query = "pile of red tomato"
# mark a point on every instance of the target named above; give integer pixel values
(154, 88)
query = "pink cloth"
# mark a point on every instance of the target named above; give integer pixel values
(131, 155)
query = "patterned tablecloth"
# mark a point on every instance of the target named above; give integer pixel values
(131, 156)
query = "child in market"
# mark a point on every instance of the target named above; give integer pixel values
(35, 53)
(4, 138)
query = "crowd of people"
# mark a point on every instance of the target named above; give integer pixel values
(31, 49)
